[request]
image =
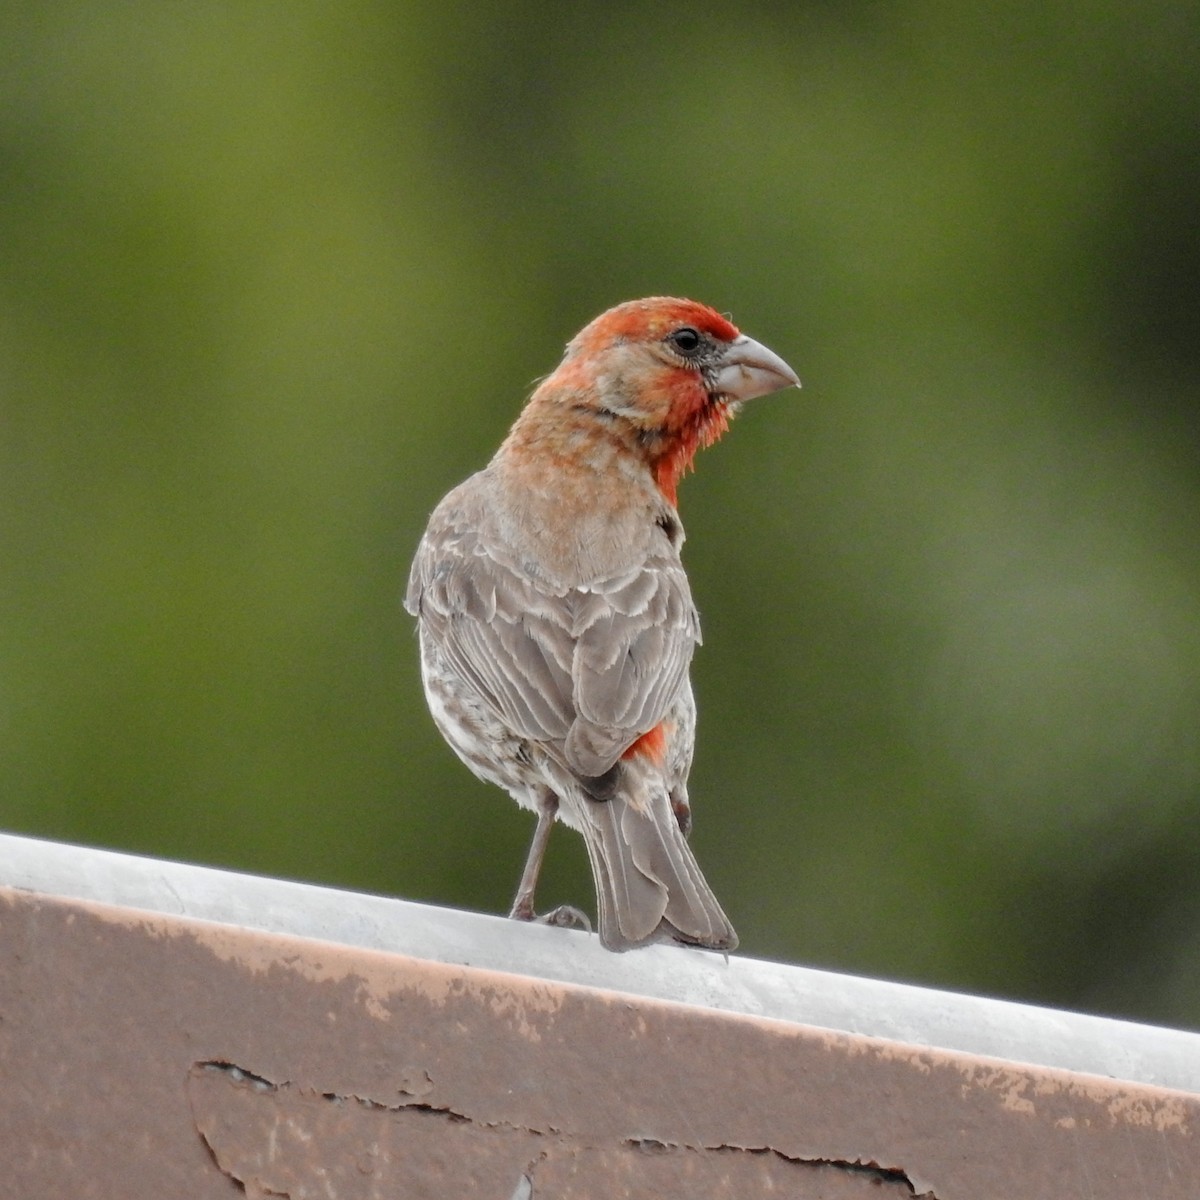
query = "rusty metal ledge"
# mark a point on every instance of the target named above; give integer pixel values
(848, 1004)
(168, 1030)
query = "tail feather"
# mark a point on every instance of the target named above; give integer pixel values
(649, 886)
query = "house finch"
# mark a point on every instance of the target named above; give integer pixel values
(556, 622)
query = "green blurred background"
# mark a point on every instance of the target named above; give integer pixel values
(274, 277)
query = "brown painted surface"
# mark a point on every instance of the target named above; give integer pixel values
(145, 1056)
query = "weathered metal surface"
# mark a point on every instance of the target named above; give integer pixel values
(145, 1055)
(846, 1003)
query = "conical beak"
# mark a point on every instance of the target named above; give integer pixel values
(749, 370)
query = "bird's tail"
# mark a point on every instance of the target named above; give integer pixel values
(649, 886)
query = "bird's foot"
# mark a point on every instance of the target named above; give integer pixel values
(565, 916)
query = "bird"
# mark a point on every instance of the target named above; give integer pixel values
(555, 621)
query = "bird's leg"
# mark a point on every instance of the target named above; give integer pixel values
(522, 909)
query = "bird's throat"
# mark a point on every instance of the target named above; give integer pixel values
(679, 447)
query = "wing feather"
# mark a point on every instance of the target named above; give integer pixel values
(584, 670)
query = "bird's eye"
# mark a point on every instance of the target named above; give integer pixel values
(685, 341)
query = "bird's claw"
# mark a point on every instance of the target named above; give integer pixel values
(566, 916)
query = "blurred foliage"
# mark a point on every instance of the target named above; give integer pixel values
(272, 279)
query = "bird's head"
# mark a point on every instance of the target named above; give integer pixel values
(672, 372)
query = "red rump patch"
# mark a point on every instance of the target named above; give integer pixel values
(652, 743)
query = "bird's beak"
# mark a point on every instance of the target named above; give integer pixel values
(749, 370)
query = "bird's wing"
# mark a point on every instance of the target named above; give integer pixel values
(496, 628)
(634, 638)
(587, 669)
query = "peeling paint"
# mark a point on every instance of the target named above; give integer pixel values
(296, 1140)
(1014, 1099)
(1134, 1110)
(373, 972)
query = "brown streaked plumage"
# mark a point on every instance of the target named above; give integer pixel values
(556, 622)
